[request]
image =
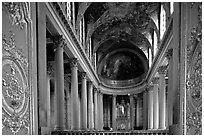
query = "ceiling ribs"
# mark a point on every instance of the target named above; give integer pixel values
(82, 9)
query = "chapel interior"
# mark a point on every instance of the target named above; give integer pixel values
(101, 68)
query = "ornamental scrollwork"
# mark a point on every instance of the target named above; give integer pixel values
(194, 93)
(194, 77)
(16, 14)
(10, 49)
(196, 35)
(15, 89)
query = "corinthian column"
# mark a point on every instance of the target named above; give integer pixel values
(75, 122)
(90, 105)
(155, 103)
(170, 85)
(59, 79)
(100, 106)
(84, 101)
(150, 107)
(131, 112)
(162, 97)
(145, 110)
(96, 108)
(114, 112)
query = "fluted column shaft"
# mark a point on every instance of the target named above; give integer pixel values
(170, 85)
(100, 106)
(96, 109)
(48, 102)
(59, 75)
(150, 107)
(155, 104)
(90, 105)
(144, 110)
(162, 97)
(75, 122)
(131, 113)
(138, 111)
(114, 115)
(84, 102)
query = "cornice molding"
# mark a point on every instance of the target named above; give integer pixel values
(161, 51)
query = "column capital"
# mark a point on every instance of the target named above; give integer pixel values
(95, 90)
(162, 69)
(74, 62)
(99, 91)
(169, 53)
(58, 41)
(90, 83)
(50, 69)
(150, 87)
(145, 91)
(155, 80)
(132, 95)
(114, 95)
(83, 75)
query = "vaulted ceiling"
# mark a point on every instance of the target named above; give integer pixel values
(112, 22)
(113, 26)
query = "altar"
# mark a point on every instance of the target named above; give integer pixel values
(123, 116)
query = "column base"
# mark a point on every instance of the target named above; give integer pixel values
(162, 128)
(45, 131)
(60, 128)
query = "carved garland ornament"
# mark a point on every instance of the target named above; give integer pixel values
(15, 90)
(194, 78)
(15, 10)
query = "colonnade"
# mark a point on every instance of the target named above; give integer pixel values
(157, 108)
(87, 110)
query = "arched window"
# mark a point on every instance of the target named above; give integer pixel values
(162, 21)
(171, 7)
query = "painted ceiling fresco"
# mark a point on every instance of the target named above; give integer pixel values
(110, 25)
(122, 66)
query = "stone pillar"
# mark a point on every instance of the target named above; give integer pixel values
(170, 85)
(155, 103)
(67, 105)
(137, 111)
(100, 106)
(131, 112)
(114, 115)
(83, 101)
(150, 107)
(48, 103)
(59, 78)
(145, 110)
(109, 111)
(90, 105)
(162, 97)
(75, 121)
(96, 109)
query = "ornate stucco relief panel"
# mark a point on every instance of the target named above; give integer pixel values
(194, 72)
(16, 94)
